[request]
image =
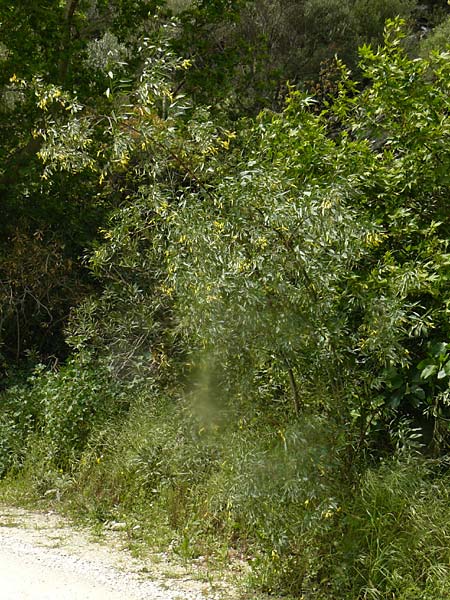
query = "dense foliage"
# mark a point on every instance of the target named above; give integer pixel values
(224, 275)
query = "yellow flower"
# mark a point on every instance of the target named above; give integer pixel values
(262, 242)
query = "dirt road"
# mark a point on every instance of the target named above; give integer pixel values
(43, 558)
(25, 578)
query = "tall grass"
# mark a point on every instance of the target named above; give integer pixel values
(395, 534)
(275, 491)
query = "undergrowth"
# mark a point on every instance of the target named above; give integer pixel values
(276, 493)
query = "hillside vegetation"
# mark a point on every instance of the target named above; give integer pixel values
(224, 282)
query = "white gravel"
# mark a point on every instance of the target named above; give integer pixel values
(43, 558)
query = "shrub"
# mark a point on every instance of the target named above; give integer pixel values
(60, 406)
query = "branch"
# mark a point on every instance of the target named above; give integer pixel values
(70, 12)
(182, 163)
(287, 243)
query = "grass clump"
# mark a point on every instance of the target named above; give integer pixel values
(395, 534)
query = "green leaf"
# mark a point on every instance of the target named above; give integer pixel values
(428, 371)
(425, 362)
(396, 382)
(439, 350)
(442, 374)
(395, 400)
(444, 371)
(418, 392)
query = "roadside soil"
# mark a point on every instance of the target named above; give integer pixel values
(42, 557)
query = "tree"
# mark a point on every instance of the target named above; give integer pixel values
(48, 225)
(293, 40)
(304, 253)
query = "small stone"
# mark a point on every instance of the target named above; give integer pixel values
(117, 526)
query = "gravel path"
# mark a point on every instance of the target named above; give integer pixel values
(43, 558)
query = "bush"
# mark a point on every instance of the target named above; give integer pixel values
(437, 40)
(19, 413)
(61, 407)
(241, 486)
